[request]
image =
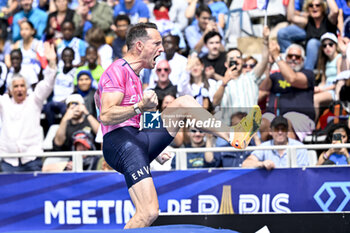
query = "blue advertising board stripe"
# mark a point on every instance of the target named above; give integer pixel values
(100, 200)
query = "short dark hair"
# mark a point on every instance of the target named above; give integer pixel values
(68, 21)
(202, 8)
(68, 49)
(138, 31)
(210, 35)
(16, 51)
(175, 37)
(122, 17)
(234, 49)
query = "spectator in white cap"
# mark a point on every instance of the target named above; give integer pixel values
(328, 66)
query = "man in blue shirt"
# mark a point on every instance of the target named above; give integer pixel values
(271, 159)
(195, 33)
(36, 16)
(137, 10)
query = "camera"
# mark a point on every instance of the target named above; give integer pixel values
(232, 63)
(337, 137)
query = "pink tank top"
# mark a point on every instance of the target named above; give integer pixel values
(120, 77)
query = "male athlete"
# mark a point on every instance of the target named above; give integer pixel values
(120, 100)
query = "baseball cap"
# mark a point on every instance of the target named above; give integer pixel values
(329, 36)
(279, 120)
(83, 138)
(75, 98)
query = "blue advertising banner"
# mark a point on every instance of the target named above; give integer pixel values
(99, 200)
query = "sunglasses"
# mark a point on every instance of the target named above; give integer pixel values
(196, 131)
(290, 56)
(330, 44)
(160, 69)
(251, 66)
(314, 5)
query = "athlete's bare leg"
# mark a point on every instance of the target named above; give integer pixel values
(144, 196)
(188, 106)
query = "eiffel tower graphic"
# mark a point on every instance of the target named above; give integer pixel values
(226, 200)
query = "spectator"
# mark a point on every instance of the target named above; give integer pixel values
(214, 60)
(137, 10)
(92, 13)
(31, 48)
(76, 118)
(55, 19)
(196, 160)
(164, 86)
(82, 141)
(218, 8)
(36, 16)
(63, 87)
(198, 85)
(3, 74)
(344, 13)
(177, 12)
(328, 68)
(344, 75)
(229, 158)
(238, 91)
(86, 90)
(270, 159)
(121, 24)
(92, 66)
(95, 37)
(69, 40)
(195, 33)
(291, 93)
(176, 61)
(21, 131)
(249, 64)
(8, 8)
(293, 32)
(5, 45)
(315, 23)
(164, 24)
(339, 133)
(25, 71)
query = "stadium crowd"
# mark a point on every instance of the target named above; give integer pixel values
(53, 53)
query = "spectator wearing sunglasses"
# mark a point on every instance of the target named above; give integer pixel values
(270, 159)
(291, 93)
(321, 17)
(328, 67)
(164, 86)
(249, 64)
(197, 139)
(339, 133)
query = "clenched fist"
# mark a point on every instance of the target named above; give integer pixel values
(149, 101)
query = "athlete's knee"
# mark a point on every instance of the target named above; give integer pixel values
(186, 101)
(150, 215)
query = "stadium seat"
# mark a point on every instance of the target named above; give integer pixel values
(312, 157)
(47, 144)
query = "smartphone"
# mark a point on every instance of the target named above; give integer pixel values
(232, 63)
(337, 137)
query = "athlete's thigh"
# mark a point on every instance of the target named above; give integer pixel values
(158, 140)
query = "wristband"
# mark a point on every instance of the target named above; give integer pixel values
(325, 157)
(137, 109)
(279, 58)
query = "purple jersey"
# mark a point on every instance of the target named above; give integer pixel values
(120, 77)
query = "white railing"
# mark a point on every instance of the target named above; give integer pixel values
(181, 156)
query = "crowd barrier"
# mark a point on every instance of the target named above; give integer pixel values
(181, 159)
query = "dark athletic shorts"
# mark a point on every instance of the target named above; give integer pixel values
(130, 151)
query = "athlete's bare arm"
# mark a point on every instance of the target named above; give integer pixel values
(112, 113)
